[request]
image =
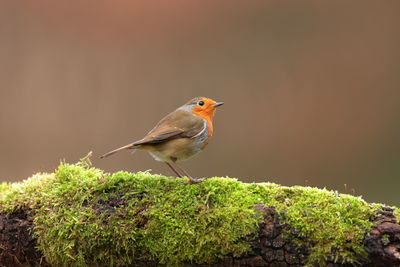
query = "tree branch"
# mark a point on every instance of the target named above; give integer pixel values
(80, 216)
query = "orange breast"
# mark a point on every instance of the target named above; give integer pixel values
(208, 115)
(210, 126)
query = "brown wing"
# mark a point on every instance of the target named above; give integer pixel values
(178, 124)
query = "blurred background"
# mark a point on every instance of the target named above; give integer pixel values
(311, 89)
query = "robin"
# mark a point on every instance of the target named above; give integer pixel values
(180, 135)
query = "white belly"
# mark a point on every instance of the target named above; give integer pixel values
(177, 150)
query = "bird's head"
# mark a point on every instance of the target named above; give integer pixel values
(203, 107)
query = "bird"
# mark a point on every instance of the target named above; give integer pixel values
(179, 136)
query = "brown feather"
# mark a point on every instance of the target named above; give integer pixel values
(178, 124)
(116, 150)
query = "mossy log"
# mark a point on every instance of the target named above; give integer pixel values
(81, 216)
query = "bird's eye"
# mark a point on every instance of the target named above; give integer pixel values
(201, 103)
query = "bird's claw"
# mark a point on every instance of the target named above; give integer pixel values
(193, 181)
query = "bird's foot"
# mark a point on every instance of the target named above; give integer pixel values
(193, 181)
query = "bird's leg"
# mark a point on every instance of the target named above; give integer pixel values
(191, 179)
(173, 169)
(182, 170)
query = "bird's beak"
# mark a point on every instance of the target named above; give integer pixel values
(218, 104)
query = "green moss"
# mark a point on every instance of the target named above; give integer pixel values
(397, 214)
(85, 217)
(4, 187)
(335, 223)
(24, 195)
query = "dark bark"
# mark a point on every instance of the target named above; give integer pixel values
(17, 245)
(270, 248)
(383, 243)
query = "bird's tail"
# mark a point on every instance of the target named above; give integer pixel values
(118, 149)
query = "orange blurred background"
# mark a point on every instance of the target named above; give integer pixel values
(311, 89)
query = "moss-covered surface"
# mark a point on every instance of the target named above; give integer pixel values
(85, 217)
